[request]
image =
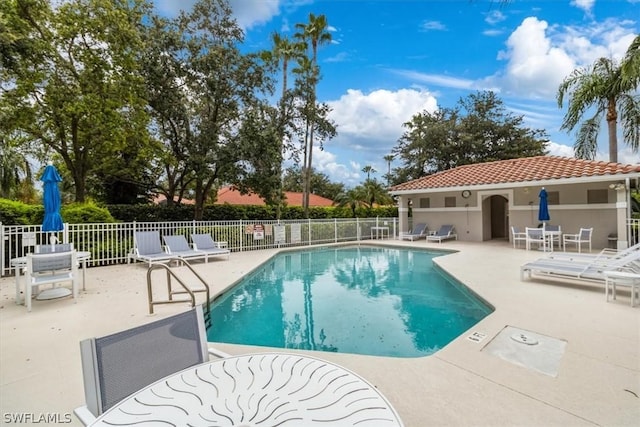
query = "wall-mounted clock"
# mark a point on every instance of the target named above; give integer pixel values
(466, 194)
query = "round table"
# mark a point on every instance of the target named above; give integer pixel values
(266, 389)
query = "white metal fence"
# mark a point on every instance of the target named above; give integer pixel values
(111, 243)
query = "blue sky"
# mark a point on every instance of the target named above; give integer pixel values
(391, 59)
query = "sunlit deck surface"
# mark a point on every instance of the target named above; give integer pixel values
(598, 380)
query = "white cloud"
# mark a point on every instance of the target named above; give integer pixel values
(380, 114)
(437, 79)
(432, 26)
(494, 17)
(586, 5)
(556, 149)
(248, 13)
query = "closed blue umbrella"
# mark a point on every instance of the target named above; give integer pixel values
(543, 208)
(51, 199)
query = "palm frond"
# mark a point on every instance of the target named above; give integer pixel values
(630, 119)
(586, 145)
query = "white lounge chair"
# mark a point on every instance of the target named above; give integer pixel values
(418, 232)
(445, 232)
(603, 255)
(205, 243)
(177, 245)
(117, 365)
(592, 271)
(148, 248)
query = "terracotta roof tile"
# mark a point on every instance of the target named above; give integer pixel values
(233, 197)
(538, 168)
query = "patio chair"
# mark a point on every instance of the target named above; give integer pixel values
(518, 236)
(178, 246)
(535, 236)
(603, 255)
(418, 232)
(584, 236)
(148, 248)
(204, 242)
(50, 268)
(445, 232)
(592, 271)
(117, 365)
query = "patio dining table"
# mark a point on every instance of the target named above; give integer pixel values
(267, 389)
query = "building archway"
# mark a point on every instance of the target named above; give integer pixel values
(495, 217)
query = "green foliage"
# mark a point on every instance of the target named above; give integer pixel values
(85, 213)
(478, 129)
(17, 213)
(153, 213)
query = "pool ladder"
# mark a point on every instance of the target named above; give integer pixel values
(185, 289)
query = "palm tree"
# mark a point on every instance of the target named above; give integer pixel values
(369, 170)
(284, 50)
(353, 199)
(599, 87)
(389, 158)
(315, 33)
(631, 65)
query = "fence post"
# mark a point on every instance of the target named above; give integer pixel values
(65, 233)
(335, 230)
(358, 231)
(309, 231)
(2, 255)
(241, 235)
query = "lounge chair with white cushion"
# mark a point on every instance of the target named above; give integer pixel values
(418, 232)
(445, 232)
(177, 245)
(205, 243)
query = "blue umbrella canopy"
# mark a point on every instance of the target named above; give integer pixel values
(543, 208)
(51, 199)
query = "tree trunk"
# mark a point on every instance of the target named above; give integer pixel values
(612, 119)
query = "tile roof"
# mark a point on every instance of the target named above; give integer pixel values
(539, 168)
(233, 197)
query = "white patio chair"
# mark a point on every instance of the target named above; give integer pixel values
(584, 236)
(553, 234)
(518, 236)
(535, 236)
(117, 365)
(50, 268)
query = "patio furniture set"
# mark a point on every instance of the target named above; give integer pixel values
(548, 236)
(148, 247)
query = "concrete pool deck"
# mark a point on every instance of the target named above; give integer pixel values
(597, 383)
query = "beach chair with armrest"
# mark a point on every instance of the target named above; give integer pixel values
(205, 243)
(117, 365)
(177, 245)
(148, 248)
(517, 236)
(445, 232)
(419, 231)
(583, 236)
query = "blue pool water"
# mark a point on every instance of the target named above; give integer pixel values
(363, 300)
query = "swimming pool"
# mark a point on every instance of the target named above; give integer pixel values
(380, 301)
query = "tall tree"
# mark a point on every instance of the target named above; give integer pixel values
(599, 88)
(221, 83)
(315, 33)
(76, 89)
(388, 158)
(320, 183)
(479, 129)
(284, 50)
(368, 169)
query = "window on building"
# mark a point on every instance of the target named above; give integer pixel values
(425, 202)
(597, 196)
(449, 202)
(553, 197)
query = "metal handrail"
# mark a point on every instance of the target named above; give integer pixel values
(171, 292)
